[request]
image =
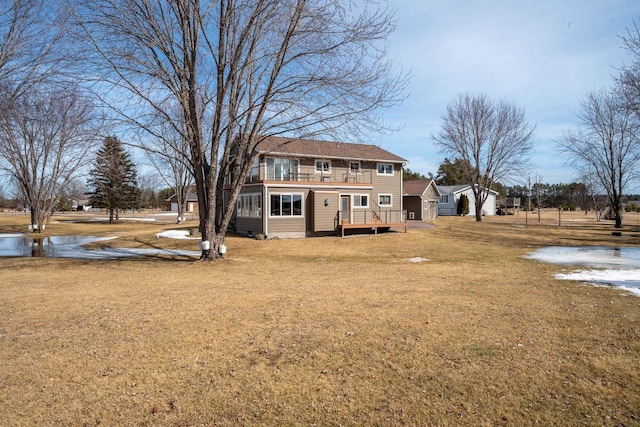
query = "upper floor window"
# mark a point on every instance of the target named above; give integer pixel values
(385, 169)
(282, 169)
(323, 166)
(444, 199)
(354, 167)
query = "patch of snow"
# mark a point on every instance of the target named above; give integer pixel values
(12, 235)
(113, 253)
(626, 279)
(618, 266)
(417, 259)
(176, 234)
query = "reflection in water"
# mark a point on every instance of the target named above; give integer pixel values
(19, 245)
(40, 247)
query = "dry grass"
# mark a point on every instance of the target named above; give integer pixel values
(323, 331)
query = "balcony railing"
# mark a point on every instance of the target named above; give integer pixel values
(335, 177)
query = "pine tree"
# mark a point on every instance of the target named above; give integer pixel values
(463, 205)
(113, 179)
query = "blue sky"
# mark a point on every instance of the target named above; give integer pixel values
(541, 55)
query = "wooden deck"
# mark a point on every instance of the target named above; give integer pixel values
(373, 226)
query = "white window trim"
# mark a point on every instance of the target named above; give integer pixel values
(353, 201)
(328, 162)
(384, 174)
(287, 216)
(390, 200)
(355, 163)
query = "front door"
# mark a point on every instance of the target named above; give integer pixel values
(345, 209)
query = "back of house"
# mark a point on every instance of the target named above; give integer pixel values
(301, 187)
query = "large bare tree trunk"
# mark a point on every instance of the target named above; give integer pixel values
(241, 71)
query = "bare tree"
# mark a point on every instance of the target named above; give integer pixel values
(30, 33)
(493, 138)
(45, 138)
(240, 71)
(148, 184)
(76, 192)
(592, 185)
(605, 144)
(630, 73)
(168, 153)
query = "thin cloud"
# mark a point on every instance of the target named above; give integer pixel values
(541, 55)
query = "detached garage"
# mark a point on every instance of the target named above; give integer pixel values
(420, 199)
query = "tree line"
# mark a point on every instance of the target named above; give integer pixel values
(570, 196)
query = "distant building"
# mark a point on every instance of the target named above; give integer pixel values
(192, 203)
(420, 199)
(450, 195)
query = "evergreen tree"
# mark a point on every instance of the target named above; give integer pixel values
(453, 173)
(409, 175)
(463, 205)
(113, 179)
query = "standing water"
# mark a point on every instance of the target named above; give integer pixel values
(615, 266)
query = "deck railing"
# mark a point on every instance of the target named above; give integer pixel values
(364, 177)
(372, 217)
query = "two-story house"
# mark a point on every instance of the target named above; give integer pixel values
(301, 188)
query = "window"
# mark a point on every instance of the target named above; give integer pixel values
(385, 169)
(444, 199)
(323, 166)
(286, 205)
(282, 169)
(354, 167)
(361, 201)
(249, 205)
(384, 199)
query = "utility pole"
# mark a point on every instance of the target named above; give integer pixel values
(526, 216)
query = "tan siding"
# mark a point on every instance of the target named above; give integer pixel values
(324, 216)
(430, 199)
(385, 184)
(286, 225)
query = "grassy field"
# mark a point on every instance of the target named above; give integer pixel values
(323, 331)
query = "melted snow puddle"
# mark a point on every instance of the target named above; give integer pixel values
(20, 245)
(619, 267)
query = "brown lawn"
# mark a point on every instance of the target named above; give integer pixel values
(323, 331)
